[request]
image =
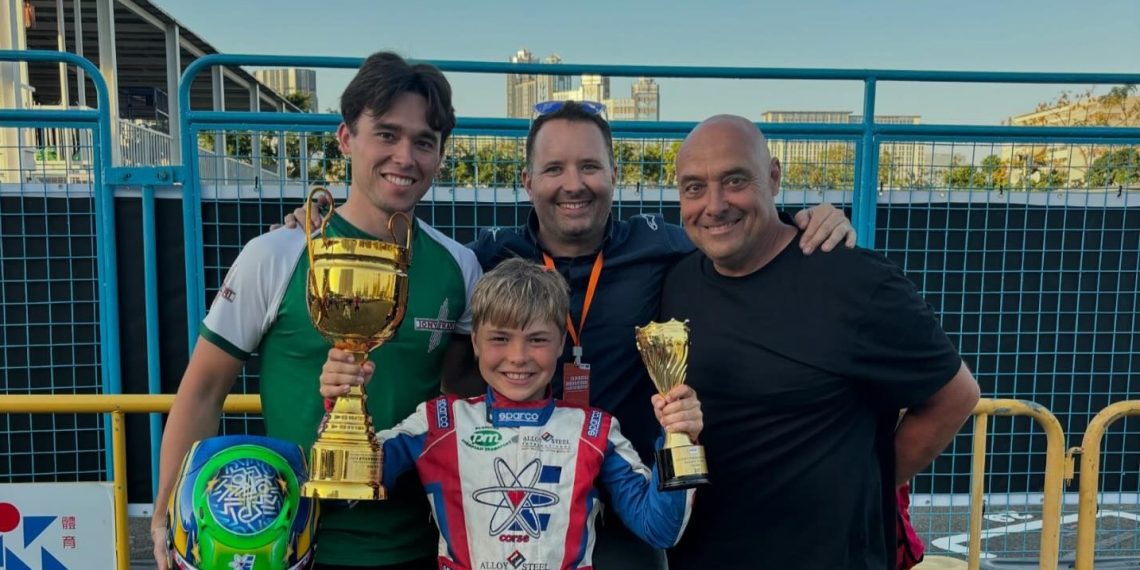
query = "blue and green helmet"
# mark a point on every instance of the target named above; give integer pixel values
(237, 504)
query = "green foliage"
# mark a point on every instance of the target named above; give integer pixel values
(832, 169)
(483, 162)
(303, 101)
(1120, 167)
(991, 173)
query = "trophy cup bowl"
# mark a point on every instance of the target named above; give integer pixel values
(357, 294)
(664, 349)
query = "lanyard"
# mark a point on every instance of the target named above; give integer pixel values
(595, 273)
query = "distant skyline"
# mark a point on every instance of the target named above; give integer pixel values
(969, 35)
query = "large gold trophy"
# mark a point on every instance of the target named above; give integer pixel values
(357, 294)
(664, 349)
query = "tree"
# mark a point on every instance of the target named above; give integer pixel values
(1038, 170)
(838, 170)
(1120, 167)
(991, 173)
(888, 169)
(652, 169)
(1119, 107)
(995, 172)
(303, 100)
(960, 175)
(629, 161)
(669, 158)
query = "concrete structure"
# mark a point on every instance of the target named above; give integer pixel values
(907, 161)
(290, 80)
(141, 52)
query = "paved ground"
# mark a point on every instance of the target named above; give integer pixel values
(1011, 533)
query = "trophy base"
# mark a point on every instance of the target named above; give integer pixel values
(346, 460)
(347, 491)
(681, 468)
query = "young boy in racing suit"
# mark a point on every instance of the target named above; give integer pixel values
(513, 476)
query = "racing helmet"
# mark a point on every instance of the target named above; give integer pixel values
(237, 504)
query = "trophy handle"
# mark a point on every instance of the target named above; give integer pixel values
(407, 234)
(316, 191)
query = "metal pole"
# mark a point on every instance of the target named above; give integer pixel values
(1090, 476)
(282, 154)
(80, 76)
(977, 486)
(255, 137)
(61, 43)
(119, 487)
(219, 96)
(866, 195)
(173, 96)
(105, 16)
(150, 290)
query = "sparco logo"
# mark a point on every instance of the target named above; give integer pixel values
(517, 416)
(595, 424)
(441, 418)
(486, 439)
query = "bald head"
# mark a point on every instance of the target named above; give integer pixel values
(727, 182)
(726, 129)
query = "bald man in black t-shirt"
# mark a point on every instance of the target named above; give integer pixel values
(802, 363)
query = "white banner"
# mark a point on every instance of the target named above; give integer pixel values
(57, 526)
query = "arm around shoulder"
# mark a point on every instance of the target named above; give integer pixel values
(928, 428)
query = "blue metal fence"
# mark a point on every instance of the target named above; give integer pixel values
(58, 282)
(1037, 284)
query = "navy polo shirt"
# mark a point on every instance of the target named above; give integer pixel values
(637, 254)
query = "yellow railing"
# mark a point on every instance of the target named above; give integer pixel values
(1056, 470)
(117, 406)
(1058, 466)
(1090, 477)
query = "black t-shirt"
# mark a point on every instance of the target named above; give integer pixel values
(800, 367)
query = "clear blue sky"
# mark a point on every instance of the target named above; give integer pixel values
(995, 35)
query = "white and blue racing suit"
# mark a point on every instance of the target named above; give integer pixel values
(513, 485)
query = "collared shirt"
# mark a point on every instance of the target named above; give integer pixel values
(638, 252)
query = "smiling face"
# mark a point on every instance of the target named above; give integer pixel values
(727, 183)
(395, 156)
(518, 363)
(570, 180)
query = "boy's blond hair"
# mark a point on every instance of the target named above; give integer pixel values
(518, 293)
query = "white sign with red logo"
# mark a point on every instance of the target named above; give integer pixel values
(57, 526)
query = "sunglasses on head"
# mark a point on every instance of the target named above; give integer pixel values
(548, 107)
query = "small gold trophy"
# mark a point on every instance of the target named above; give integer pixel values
(357, 294)
(664, 349)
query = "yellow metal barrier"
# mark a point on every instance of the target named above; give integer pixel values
(1056, 470)
(1090, 475)
(1055, 466)
(117, 406)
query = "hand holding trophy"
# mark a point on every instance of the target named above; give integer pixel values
(664, 349)
(357, 295)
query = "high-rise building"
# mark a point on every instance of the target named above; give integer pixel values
(559, 82)
(646, 97)
(524, 90)
(290, 80)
